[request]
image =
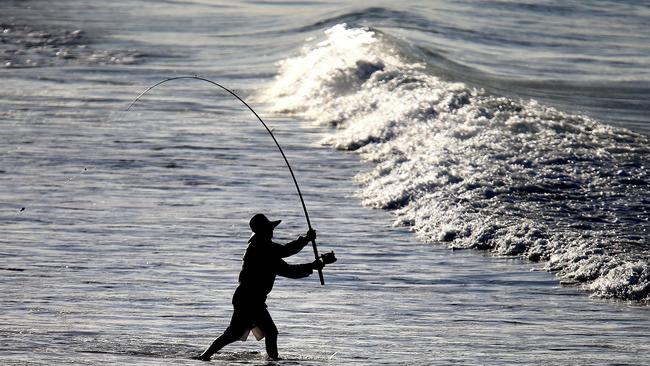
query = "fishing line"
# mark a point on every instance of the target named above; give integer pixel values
(293, 176)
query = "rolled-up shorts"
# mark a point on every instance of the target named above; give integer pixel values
(256, 319)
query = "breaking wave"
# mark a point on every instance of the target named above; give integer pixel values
(475, 170)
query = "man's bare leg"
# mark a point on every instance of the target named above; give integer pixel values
(225, 339)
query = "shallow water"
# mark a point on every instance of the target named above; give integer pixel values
(129, 246)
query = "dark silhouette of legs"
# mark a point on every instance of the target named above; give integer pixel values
(265, 322)
(242, 321)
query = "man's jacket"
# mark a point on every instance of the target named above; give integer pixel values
(262, 263)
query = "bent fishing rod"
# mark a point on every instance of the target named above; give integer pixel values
(293, 176)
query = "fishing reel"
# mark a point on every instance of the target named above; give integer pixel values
(328, 258)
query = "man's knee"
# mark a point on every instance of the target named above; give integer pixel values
(271, 331)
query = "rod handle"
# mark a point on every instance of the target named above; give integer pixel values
(320, 271)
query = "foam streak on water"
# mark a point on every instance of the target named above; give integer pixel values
(475, 170)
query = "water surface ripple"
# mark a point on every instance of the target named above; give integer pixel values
(129, 244)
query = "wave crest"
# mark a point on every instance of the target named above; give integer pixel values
(479, 171)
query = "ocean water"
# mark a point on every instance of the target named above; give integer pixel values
(417, 130)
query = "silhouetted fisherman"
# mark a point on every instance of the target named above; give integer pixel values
(262, 262)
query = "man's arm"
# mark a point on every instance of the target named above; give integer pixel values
(285, 269)
(295, 246)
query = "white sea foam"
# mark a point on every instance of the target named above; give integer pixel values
(478, 171)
